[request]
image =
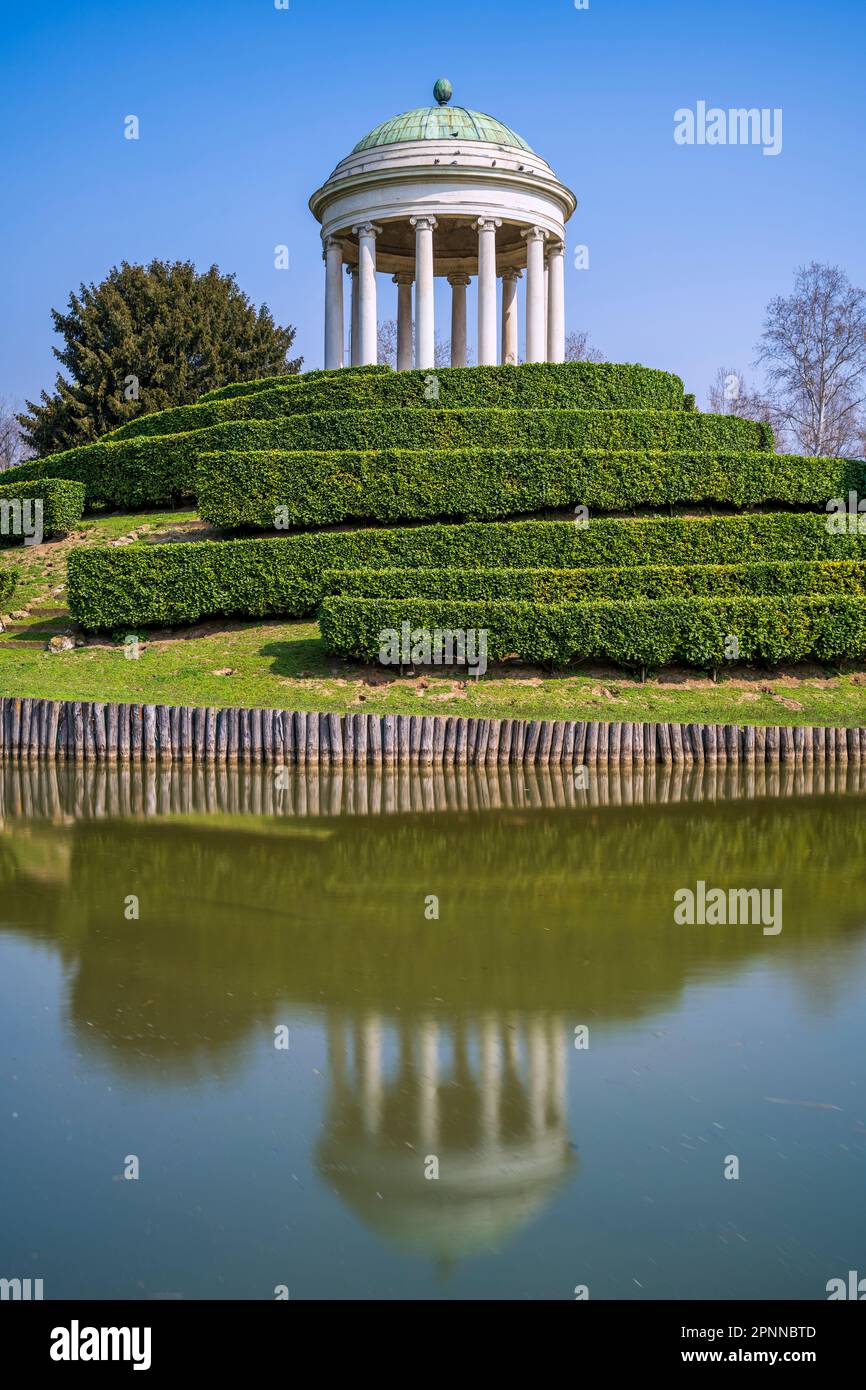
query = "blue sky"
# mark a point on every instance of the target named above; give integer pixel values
(245, 109)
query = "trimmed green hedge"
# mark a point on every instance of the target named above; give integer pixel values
(8, 579)
(542, 385)
(245, 489)
(62, 506)
(131, 474)
(267, 383)
(262, 405)
(476, 428)
(635, 633)
(152, 585)
(160, 470)
(604, 581)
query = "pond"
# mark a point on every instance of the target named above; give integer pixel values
(415, 1036)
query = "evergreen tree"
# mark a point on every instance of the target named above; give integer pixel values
(146, 338)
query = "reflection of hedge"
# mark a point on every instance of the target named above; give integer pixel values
(246, 489)
(602, 958)
(8, 580)
(180, 583)
(602, 581)
(575, 385)
(62, 506)
(693, 631)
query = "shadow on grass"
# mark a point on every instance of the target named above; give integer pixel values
(305, 657)
(308, 657)
(35, 632)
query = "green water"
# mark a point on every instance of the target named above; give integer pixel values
(413, 1038)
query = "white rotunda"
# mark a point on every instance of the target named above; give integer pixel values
(446, 191)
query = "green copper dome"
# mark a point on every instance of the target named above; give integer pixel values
(441, 122)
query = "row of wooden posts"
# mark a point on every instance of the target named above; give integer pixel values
(93, 791)
(96, 732)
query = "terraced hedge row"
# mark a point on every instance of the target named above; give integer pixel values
(485, 428)
(129, 475)
(634, 633)
(569, 385)
(158, 471)
(604, 581)
(161, 585)
(62, 507)
(237, 489)
(267, 383)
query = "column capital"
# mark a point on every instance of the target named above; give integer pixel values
(457, 279)
(328, 242)
(366, 229)
(423, 223)
(510, 273)
(351, 269)
(556, 248)
(488, 224)
(534, 234)
(403, 277)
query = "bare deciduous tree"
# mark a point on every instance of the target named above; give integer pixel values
(577, 349)
(813, 349)
(386, 346)
(12, 446)
(386, 343)
(731, 394)
(442, 352)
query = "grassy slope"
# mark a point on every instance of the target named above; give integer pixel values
(283, 665)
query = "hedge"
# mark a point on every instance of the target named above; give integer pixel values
(633, 633)
(8, 579)
(267, 383)
(151, 585)
(604, 581)
(62, 506)
(246, 489)
(130, 474)
(573, 385)
(468, 428)
(160, 470)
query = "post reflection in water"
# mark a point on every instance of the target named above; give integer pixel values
(87, 791)
(432, 1112)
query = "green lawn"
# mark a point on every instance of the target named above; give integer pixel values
(283, 665)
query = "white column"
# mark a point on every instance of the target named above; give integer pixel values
(487, 290)
(458, 285)
(428, 1084)
(333, 252)
(558, 1076)
(538, 1059)
(546, 296)
(355, 339)
(371, 1073)
(491, 1079)
(556, 304)
(367, 233)
(403, 281)
(425, 326)
(535, 335)
(509, 315)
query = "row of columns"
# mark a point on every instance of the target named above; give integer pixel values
(545, 300)
(543, 1081)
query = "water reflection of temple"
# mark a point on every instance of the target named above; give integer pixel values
(484, 1096)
